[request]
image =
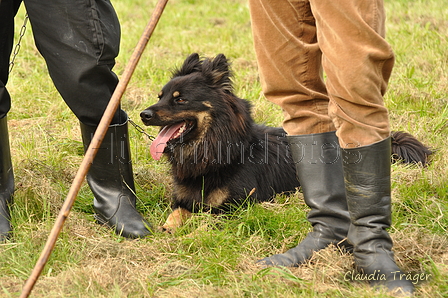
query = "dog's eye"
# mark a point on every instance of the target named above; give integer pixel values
(180, 100)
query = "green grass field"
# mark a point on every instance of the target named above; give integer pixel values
(214, 256)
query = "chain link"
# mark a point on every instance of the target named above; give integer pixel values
(17, 47)
(141, 130)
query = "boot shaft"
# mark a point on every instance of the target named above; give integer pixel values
(6, 171)
(6, 181)
(368, 189)
(319, 170)
(112, 164)
(111, 180)
(368, 185)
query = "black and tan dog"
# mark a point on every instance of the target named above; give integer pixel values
(219, 157)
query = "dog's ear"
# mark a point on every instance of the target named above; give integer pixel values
(192, 64)
(218, 73)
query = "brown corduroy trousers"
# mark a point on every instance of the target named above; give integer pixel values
(297, 42)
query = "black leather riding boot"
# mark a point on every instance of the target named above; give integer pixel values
(319, 170)
(368, 187)
(6, 182)
(111, 180)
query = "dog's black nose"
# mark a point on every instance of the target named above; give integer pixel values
(146, 115)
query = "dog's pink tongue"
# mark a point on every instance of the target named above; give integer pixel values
(159, 143)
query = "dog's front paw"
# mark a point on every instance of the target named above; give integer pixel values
(175, 220)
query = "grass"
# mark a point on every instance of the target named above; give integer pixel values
(214, 256)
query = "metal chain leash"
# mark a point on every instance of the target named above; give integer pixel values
(17, 47)
(141, 130)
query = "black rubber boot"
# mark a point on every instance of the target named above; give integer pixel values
(319, 170)
(368, 187)
(6, 182)
(111, 180)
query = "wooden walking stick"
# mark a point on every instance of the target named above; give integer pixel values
(93, 148)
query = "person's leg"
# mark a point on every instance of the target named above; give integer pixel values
(358, 62)
(8, 10)
(79, 41)
(6, 182)
(289, 62)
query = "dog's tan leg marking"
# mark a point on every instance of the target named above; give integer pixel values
(218, 197)
(176, 219)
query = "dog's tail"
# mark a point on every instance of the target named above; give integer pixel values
(407, 149)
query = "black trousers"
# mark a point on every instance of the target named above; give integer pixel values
(79, 40)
